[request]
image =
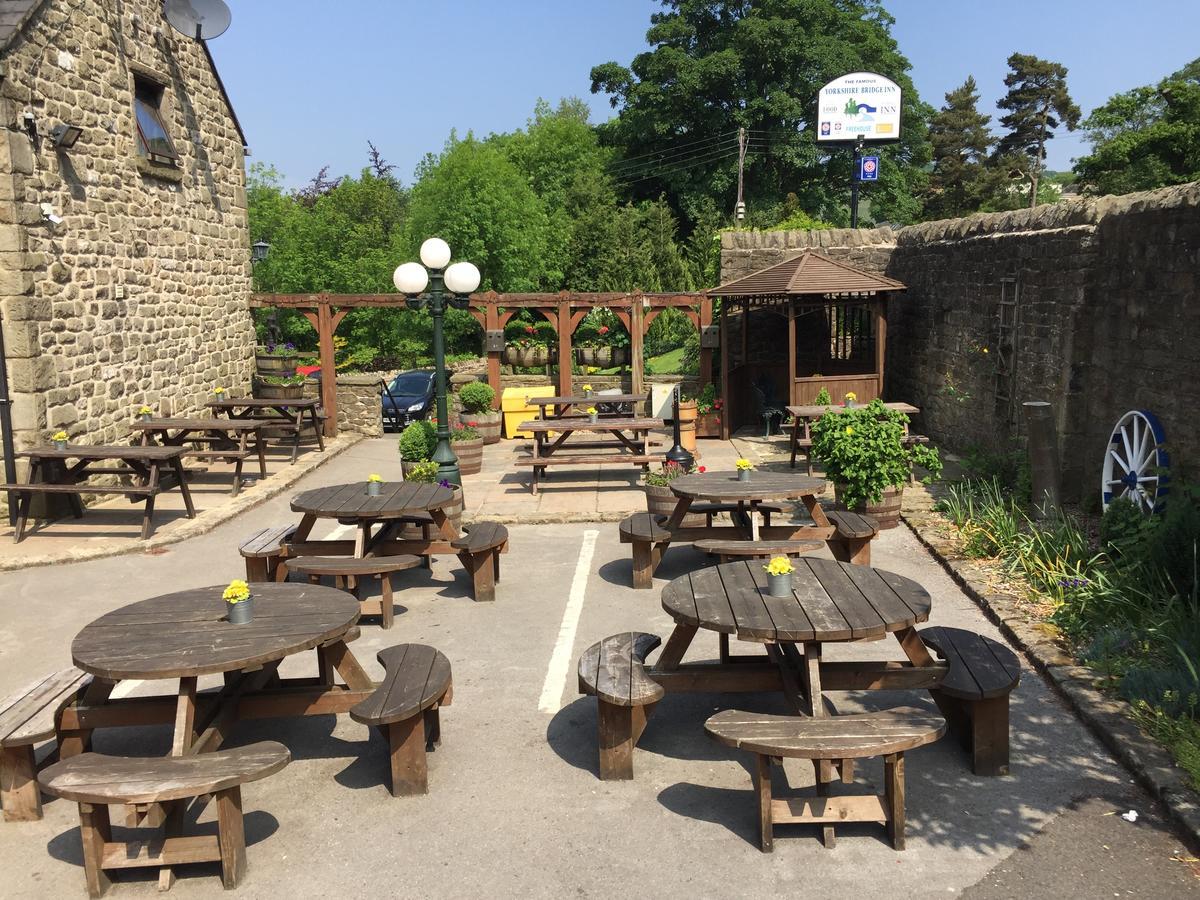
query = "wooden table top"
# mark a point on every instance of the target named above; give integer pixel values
(815, 412)
(351, 501)
(724, 487)
(262, 403)
(200, 424)
(632, 423)
(82, 451)
(830, 601)
(186, 633)
(595, 398)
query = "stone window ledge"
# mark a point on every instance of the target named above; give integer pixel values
(173, 174)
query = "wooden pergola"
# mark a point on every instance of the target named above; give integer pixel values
(564, 311)
(800, 325)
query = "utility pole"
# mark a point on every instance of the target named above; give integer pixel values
(739, 208)
(854, 180)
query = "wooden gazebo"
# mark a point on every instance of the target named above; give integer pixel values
(790, 329)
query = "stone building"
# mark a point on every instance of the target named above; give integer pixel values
(124, 255)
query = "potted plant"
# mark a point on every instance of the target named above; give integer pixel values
(587, 391)
(618, 344)
(477, 398)
(145, 413)
(468, 447)
(278, 360)
(417, 442)
(593, 414)
(530, 351)
(744, 468)
(865, 455)
(823, 398)
(239, 604)
(218, 393)
(779, 576)
(661, 500)
(374, 485)
(708, 413)
(427, 473)
(279, 387)
(60, 440)
(849, 399)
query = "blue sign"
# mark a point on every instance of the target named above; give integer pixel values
(868, 168)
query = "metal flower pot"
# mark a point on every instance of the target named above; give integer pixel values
(779, 585)
(60, 445)
(373, 488)
(743, 474)
(593, 417)
(240, 613)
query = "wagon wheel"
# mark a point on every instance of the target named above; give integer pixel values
(1136, 461)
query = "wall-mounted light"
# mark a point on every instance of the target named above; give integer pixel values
(259, 251)
(30, 122)
(64, 136)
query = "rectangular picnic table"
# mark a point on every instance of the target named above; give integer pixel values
(291, 415)
(804, 416)
(226, 437)
(629, 436)
(563, 405)
(50, 474)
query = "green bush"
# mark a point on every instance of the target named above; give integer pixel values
(476, 397)
(465, 433)
(823, 398)
(417, 441)
(425, 472)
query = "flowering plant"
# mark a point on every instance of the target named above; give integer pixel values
(218, 390)
(587, 387)
(288, 349)
(237, 592)
(374, 477)
(591, 411)
(425, 472)
(445, 482)
(780, 565)
(463, 433)
(850, 397)
(603, 329)
(670, 471)
(59, 436)
(144, 410)
(744, 465)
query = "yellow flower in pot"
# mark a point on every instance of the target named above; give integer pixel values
(374, 484)
(744, 468)
(587, 390)
(239, 604)
(593, 413)
(779, 576)
(60, 439)
(144, 412)
(849, 399)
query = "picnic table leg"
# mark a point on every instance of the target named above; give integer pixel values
(25, 499)
(339, 656)
(316, 422)
(813, 505)
(260, 446)
(237, 468)
(148, 512)
(177, 466)
(76, 741)
(677, 646)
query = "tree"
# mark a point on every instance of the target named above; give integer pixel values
(959, 133)
(717, 65)
(1037, 102)
(1145, 138)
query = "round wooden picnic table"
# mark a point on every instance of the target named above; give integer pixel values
(351, 504)
(830, 602)
(725, 487)
(187, 634)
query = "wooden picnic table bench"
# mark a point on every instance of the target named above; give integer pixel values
(288, 415)
(226, 439)
(804, 416)
(49, 473)
(629, 436)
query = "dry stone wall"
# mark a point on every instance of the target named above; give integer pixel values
(140, 294)
(1107, 318)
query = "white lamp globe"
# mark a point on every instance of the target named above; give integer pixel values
(435, 253)
(462, 277)
(410, 278)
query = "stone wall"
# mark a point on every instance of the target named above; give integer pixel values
(1107, 319)
(359, 407)
(140, 294)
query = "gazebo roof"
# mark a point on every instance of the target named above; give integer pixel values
(808, 273)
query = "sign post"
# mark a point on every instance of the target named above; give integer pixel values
(852, 110)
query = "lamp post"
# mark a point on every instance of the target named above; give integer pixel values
(258, 253)
(448, 285)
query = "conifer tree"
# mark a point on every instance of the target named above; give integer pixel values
(961, 141)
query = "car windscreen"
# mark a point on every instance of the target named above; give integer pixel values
(410, 383)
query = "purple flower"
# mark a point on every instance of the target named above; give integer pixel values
(445, 482)
(289, 346)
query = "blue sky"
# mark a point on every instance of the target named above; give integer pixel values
(313, 81)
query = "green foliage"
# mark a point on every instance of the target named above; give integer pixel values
(863, 449)
(669, 472)
(1038, 103)
(282, 380)
(708, 401)
(714, 67)
(961, 179)
(1145, 138)
(1179, 734)
(424, 472)
(463, 433)
(823, 398)
(417, 441)
(476, 396)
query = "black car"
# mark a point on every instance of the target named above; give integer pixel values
(407, 398)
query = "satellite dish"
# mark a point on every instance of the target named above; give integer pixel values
(199, 19)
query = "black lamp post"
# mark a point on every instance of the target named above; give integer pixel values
(677, 454)
(258, 252)
(448, 286)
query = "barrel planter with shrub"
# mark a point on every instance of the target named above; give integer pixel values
(278, 387)
(468, 447)
(276, 360)
(661, 500)
(477, 398)
(528, 357)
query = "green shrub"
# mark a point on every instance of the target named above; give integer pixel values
(1122, 527)
(1172, 691)
(465, 433)
(823, 398)
(417, 441)
(425, 472)
(477, 397)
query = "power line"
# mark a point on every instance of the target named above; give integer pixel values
(673, 148)
(711, 157)
(665, 157)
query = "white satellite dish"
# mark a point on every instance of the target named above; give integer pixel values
(199, 19)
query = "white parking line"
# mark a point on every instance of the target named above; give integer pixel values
(560, 660)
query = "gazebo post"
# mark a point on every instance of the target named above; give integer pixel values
(725, 419)
(564, 345)
(791, 369)
(880, 339)
(636, 315)
(706, 355)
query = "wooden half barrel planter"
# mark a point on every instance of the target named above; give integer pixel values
(470, 456)
(265, 391)
(661, 500)
(528, 357)
(486, 423)
(274, 364)
(886, 512)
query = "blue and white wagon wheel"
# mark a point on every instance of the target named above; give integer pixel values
(1136, 462)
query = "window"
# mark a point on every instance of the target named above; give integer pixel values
(153, 141)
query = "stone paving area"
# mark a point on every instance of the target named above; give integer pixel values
(515, 806)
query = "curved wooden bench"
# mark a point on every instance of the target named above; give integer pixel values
(728, 550)
(614, 671)
(650, 539)
(94, 781)
(888, 734)
(479, 551)
(853, 533)
(974, 694)
(342, 568)
(27, 718)
(405, 709)
(264, 551)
